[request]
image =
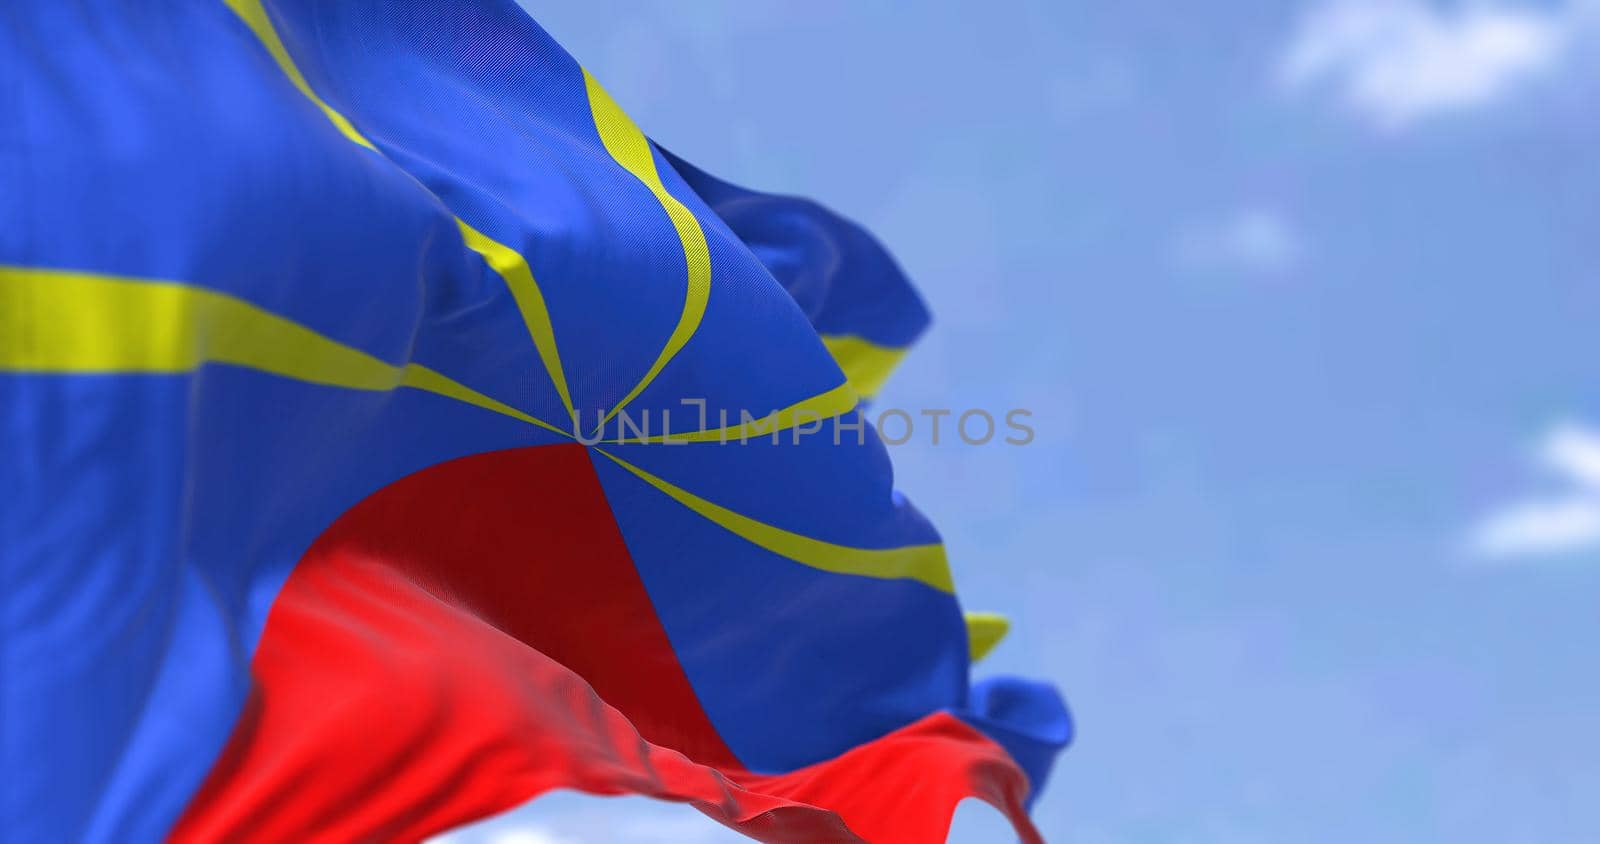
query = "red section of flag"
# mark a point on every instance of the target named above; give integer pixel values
(474, 635)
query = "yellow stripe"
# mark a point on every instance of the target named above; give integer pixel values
(530, 301)
(628, 146)
(835, 402)
(505, 261)
(984, 631)
(866, 364)
(420, 377)
(56, 321)
(925, 563)
(255, 17)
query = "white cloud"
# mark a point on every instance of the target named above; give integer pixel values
(499, 831)
(1541, 527)
(529, 835)
(1562, 523)
(1574, 451)
(1253, 239)
(570, 817)
(1399, 61)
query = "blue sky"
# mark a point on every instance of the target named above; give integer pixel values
(1303, 297)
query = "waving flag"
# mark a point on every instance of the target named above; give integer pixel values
(392, 433)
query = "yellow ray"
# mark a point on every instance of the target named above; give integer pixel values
(57, 321)
(530, 301)
(835, 402)
(255, 17)
(509, 264)
(984, 631)
(631, 149)
(866, 364)
(925, 563)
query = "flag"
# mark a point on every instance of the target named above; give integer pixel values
(392, 433)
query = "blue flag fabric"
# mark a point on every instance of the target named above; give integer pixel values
(294, 296)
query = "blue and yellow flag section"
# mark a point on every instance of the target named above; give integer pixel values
(320, 328)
